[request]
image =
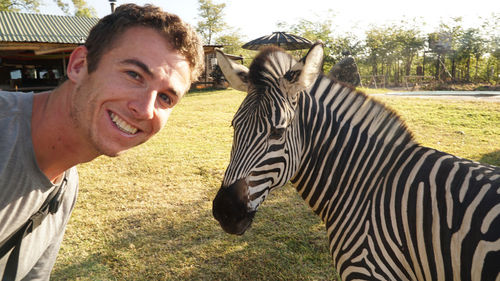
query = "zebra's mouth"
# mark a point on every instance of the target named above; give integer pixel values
(230, 208)
(240, 227)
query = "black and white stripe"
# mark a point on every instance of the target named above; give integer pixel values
(393, 209)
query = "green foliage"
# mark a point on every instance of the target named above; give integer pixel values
(450, 52)
(81, 8)
(471, 44)
(211, 19)
(19, 5)
(389, 45)
(232, 43)
(321, 29)
(394, 51)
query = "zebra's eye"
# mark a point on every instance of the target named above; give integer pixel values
(276, 133)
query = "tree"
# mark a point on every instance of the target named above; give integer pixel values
(322, 29)
(375, 41)
(232, 43)
(470, 45)
(18, 5)
(81, 8)
(411, 42)
(450, 32)
(313, 30)
(212, 21)
(490, 33)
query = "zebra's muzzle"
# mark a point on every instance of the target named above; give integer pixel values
(230, 208)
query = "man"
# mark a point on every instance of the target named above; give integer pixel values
(122, 84)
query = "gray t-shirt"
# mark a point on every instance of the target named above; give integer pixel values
(24, 188)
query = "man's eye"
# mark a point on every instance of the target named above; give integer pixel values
(165, 98)
(133, 74)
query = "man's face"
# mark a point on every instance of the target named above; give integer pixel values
(130, 95)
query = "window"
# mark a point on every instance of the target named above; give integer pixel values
(15, 74)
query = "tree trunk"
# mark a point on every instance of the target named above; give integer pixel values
(453, 69)
(408, 66)
(438, 67)
(374, 66)
(477, 68)
(467, 75)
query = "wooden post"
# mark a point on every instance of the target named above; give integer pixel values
(64, 64)
(423, 65)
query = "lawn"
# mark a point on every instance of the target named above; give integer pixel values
(146, 215)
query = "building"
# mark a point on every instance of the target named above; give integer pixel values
(206, 79)
(35, 48)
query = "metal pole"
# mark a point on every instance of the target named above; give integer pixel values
(112, 3)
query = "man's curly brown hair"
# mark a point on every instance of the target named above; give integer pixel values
(179, 34)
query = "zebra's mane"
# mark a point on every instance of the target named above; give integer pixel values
(371, 110)
(271, 63)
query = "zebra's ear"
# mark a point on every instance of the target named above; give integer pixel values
(236, 74)
(313, 64)
(303, 74)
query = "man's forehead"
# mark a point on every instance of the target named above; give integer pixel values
(149, 48)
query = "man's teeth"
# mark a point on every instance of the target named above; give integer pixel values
(122, 125)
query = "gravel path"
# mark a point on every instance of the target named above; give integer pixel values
(473, 97)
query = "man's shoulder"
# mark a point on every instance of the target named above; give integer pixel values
(11, 102)
(15, 117)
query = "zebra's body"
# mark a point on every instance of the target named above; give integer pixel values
(364, 168)
(394, 210)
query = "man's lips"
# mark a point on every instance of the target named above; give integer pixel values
(122, 124)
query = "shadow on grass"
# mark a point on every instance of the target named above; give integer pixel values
(492, 158)
(286, 242)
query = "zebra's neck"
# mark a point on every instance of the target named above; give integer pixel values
(342, 131)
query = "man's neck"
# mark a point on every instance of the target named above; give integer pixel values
(57, 142)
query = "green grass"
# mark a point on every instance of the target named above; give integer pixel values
(469, 129)
(146, 215)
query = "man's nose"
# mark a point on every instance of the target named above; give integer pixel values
(144, 105)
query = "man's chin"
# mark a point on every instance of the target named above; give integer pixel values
(113, 148)
(116, 154)
(112, 152)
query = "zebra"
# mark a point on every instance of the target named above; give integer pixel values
(393, 209)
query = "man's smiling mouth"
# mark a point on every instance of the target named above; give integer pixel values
(122, 125)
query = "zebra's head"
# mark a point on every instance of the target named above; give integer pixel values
(265, 152)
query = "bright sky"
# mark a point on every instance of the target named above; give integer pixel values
(255, 18)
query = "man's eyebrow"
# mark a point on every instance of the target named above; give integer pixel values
(139, 64)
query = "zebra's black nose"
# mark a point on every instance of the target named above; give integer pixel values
(230, 208)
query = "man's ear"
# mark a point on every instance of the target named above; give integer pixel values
(77, 64)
